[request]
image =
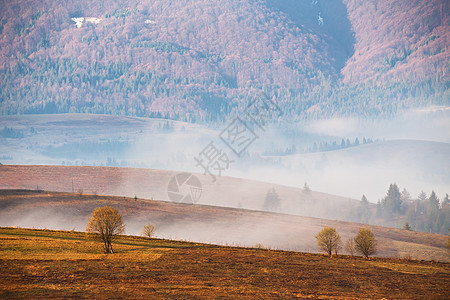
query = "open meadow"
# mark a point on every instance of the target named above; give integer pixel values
(44, 263)
(206, 224)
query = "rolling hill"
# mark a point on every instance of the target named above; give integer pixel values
(154, 184)
(207, 224)
(201, 60)
(156, 147)
(103, 140)
(413, 164)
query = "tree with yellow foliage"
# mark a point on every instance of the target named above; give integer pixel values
(329, 240)
(107, 222)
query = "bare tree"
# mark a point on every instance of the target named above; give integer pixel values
(338, 248)
(365, 242)
(329, 240)
(149, 230)
(350, 246)
(107, 222)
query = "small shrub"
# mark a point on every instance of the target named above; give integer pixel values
(408, 257)
(148, 231)
(259, 246)
(407, 226)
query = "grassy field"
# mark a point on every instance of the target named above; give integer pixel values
(44, 263)
(207, 224)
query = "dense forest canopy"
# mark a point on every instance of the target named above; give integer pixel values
(200, 60)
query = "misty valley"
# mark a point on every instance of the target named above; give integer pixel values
(232, 149)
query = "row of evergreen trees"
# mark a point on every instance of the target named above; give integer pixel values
(7, 132)
(396, 209)
(331, 146)
(321, 147)
(399, 209)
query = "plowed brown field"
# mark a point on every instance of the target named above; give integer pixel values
(49, 264)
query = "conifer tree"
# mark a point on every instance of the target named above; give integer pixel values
(392, 202)
(272, 201)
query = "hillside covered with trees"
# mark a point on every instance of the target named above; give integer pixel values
(200, 60)
(425, 213)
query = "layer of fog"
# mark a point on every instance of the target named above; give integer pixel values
(428, 124)
(273, 232)
(421, 163)
(251, 229)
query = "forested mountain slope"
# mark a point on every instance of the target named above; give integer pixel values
(405, 40)
(195, 59)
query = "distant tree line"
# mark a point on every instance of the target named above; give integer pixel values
(396, 209)
(7, 132)
(320, 147)
(399, 209)
(331, 146)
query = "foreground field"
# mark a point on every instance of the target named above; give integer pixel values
(43, 263)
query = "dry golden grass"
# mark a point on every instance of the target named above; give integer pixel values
(61, 264)
(206, 223)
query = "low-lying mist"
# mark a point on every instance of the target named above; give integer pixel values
(346, 157)
(204, 224)
(411, 150)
